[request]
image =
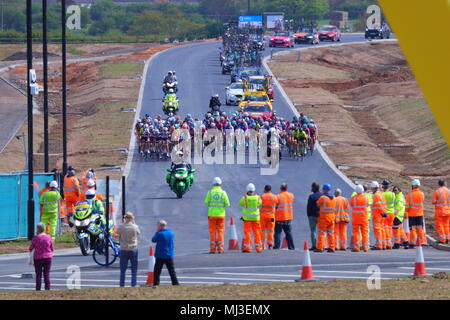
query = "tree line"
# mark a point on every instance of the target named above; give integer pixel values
(167, 20)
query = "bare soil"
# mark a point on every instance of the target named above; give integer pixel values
(365, 99)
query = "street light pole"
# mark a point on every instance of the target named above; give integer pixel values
(30, 122)
(64, 100)
(45, 67)
(248, 7)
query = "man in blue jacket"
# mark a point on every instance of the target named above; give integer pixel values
(164, 253)
(312, 212)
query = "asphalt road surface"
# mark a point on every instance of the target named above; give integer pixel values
(148, 196)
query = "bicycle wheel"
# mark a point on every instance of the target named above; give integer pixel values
(99, 254)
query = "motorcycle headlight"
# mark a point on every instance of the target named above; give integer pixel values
(180, 176)
(82, 223)
(170, 103)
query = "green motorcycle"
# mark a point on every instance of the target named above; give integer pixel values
(180, 178)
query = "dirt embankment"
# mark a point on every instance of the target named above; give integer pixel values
(372, 112)
(98, 131)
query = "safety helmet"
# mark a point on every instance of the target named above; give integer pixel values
(90, 194)
(385, 183)
(53, 184)
(359, 189)
(251, 187)
(169, 72)
(215, 96)
(374, 185)
(91, 183)
(217, 181)
(326, 187)
(171, 90)
(415, 183)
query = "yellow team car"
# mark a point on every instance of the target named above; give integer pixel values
(255, 96)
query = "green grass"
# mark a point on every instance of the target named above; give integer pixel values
(76, 52)
(114, 70)
(65, 241)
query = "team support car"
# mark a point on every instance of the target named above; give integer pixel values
(307, 35)
(381, 31)
(227, 65)
(255, 96)
(329, 33)
(258, 41)
(238, 74)
(258, 110)
(260, 83)
(282, 39)
(235, 93)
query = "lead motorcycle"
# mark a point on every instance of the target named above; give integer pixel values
(180, 178)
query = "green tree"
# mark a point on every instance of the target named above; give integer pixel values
(14, 19)
(315, 9)
(150, 22)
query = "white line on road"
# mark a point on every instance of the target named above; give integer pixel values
(412, 268)
(314, 271)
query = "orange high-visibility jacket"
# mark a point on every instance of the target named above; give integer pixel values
(441, 201)
(327, 205)
(414, 203)
(269, 203)
(379, 203)
(342, 209)
(85, 180)
(285, 206)
(71, 188)
(358, 207)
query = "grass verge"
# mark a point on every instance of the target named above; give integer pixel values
(433, 287)
(65, 241)
(112, 70)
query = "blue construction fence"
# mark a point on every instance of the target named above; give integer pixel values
(14, 201)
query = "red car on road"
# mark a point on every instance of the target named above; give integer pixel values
(282, 39)
(330, 33)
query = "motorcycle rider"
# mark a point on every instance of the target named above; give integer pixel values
(97, 209)
(169, 78)
(214, 103)
(180, 165)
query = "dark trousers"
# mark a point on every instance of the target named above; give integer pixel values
(286, 227)
(125, 256)
(158, 267)
(42, 266)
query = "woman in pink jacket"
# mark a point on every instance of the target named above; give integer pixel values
(42, 245)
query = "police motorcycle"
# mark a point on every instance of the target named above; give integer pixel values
(89, 220)
(180, 177)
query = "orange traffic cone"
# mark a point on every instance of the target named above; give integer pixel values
(419, 267)
(233, 243)
(151, 266)
(425, 241)
(284, 245)
(307, 272)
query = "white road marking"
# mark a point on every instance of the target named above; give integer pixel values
(412, 268)
(314, 271)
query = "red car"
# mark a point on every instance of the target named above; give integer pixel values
(330, 33)
(282, 39)
(258, 110)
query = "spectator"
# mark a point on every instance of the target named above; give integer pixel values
(164, 252)
(42, 245)
(128, 233)
(312, 212)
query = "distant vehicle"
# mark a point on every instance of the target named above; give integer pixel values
(258, 40)
(227, 65)
(234, 94)
(240, 74)
(282, 39)
(258, 110)
(307, 35)
(381, 31)
(262, 83)
(329, 33)
(255, 96)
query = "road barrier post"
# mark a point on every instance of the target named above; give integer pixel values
(123, 197)
(107, 222)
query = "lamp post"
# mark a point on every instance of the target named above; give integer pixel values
(30, 207)
(64, 89)
(45, 67)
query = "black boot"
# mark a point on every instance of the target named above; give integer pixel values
(396, 246)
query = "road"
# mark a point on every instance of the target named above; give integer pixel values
(199, 74)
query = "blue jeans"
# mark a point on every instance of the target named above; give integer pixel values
(126, 255)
